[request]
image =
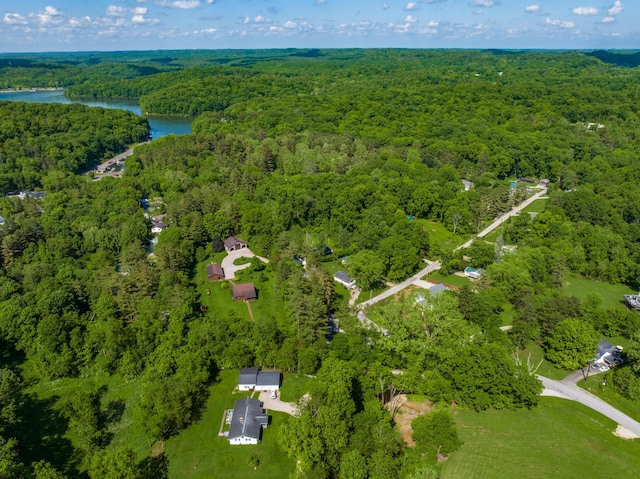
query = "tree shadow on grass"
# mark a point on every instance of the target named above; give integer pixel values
(41, 436)
(154, 467)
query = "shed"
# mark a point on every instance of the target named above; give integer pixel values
(234, 244)
(247, 422)
(244, 292)
(214, 272)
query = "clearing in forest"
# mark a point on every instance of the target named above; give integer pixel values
(407, 411)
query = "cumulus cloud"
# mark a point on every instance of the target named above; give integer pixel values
(432, 24)
(608, 19)
(14, 19)
(410, 6)
(532, 8)
(559, 23)
(585, 11)
(410, 19)
(50, 16)
(616, 8)
(259, 19)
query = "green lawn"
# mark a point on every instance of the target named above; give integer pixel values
(559, 439)
(218, 299)
(294, 386)
(593, 384)
(439, 234)
(547, 368)
(611, 293)
(538, 206)
(507, 314)
(198, 451)
(452, 279)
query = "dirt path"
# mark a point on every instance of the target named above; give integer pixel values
(276, 404)
(407, 412)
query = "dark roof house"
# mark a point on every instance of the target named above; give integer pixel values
(268, 380)
(244, 292)
(234, 244)
(344, 279)
(248, 378)
(247, 422)
(214, 272)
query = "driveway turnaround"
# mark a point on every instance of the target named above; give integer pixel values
(230, 269)
(570, 391)
(276, 404)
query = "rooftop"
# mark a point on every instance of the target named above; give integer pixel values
(248, 419)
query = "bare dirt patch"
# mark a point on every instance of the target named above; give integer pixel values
(407, 412)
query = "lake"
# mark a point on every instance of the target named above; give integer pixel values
(161, 125)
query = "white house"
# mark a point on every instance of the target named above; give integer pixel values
(344, 279)
(254, 379)
(247, 422)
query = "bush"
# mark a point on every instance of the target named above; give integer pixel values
(253, 460)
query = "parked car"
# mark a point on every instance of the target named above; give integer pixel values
(273, 395)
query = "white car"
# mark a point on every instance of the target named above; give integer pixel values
(603, 367)
(273, 395)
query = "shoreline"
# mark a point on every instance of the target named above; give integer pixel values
(29, 90)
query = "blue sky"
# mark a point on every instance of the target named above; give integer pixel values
(80, 25)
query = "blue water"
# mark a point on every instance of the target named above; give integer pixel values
(160, 125)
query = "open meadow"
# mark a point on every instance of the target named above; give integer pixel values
(559, 439)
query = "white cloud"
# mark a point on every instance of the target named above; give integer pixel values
(559, 23)
(320, 2)
(138, 19)
(259, 19)
(14, 19)
(432, 24)
(617, 8)
(80, 22)
(483, 3)
(410, 19)
(140, 11)
(410, 6)
(585, 11)
(50, 16)
(289, 24)
(246, 20)
(532, 8)
(608, 19)
(115, 11)
(185, 4)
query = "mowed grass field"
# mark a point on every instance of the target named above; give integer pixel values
(559, 439)
(611, 293)
(198, 451)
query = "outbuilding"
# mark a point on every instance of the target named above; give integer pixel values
(214, 272)
(244, 292)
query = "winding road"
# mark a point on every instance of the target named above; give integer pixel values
(568, 390)
(436, 264)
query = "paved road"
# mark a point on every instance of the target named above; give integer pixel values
(568, 390)
(436, 264)
(400, 286)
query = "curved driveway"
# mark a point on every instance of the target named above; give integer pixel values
(567, 390)
(230, 269)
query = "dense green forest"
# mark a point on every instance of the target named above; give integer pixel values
(359, 150)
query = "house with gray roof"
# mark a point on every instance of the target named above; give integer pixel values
(253, 378)
(247, 422)
(344, 279)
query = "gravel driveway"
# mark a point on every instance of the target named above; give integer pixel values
(276, 404)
